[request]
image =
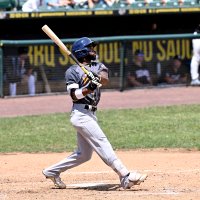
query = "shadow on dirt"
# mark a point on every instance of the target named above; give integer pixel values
(107, 187)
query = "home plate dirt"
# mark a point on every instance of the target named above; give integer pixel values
(173, 174)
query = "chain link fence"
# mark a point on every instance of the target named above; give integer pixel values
(43, 70)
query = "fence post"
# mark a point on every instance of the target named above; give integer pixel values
(1, 72)
(122, 66)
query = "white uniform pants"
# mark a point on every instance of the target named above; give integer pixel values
(31, 86)
(194, 66)
(89, 137)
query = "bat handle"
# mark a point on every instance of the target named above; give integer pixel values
(83, 68)
(99, 85)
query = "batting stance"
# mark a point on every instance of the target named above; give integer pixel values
(85, 95)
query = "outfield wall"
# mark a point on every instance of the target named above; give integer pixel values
(117, 53)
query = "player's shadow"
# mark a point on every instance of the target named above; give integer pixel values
(107, 187)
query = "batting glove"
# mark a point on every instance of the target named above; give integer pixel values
(91, 75)
(94, 84)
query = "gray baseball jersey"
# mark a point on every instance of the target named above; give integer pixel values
(76, 78)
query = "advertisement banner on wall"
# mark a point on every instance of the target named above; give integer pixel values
(56, 62)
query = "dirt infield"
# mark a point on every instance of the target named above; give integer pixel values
(109, 100)
(172, 173)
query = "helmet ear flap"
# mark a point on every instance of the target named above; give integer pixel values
(84, 51)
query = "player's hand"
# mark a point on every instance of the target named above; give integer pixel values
(94, 84)
(91, 75)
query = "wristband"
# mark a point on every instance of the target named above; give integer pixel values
(79, 94)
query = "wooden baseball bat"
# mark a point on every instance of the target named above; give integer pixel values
(53, 36)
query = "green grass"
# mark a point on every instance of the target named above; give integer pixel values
(153, 127)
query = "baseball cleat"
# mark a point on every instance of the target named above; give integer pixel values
(57, 182)
(195, 82)
(136, 179)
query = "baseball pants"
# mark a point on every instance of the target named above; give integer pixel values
(194, 66)
(89, 137)
(31, 86)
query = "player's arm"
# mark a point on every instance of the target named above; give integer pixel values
(183, 79)
(169, 80)
(134, 82)
(51, 3)
(74, 95)
(103, 77)
(72, 80)
(82, 92)
(90, 4)
(103, 74)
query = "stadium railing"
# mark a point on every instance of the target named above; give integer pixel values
(117, 53)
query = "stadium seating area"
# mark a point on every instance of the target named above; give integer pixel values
(8, 4)
(11, 5)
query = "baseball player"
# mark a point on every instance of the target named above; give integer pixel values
(194, 66)
(85, 95)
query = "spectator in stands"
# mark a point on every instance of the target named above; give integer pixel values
(194, 66)
(91, 3)
(138, 74)
(19, 71)
(81, 2)
(175, 73)
(60, 3)
(32, 5)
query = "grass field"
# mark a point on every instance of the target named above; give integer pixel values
(153, 127)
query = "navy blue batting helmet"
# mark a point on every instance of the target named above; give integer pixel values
(79, 48)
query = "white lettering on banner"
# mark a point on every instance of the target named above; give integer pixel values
(169, 48)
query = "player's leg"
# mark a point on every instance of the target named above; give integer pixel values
(88, 127)
(31, 85)
(13, 89)
(194, 66)
(83, 154)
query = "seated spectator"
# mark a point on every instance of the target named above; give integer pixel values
(19, 71)
(175, 73)
(32, 5)
(133, 1)
(81, 2)
(138, 73)
(92, 2)
(60, 3)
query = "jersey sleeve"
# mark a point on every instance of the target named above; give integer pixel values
(71, 77)
(102, 67)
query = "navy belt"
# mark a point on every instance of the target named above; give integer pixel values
(90, 107)
(85, 106)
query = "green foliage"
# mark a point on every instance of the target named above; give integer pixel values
(152, 127)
